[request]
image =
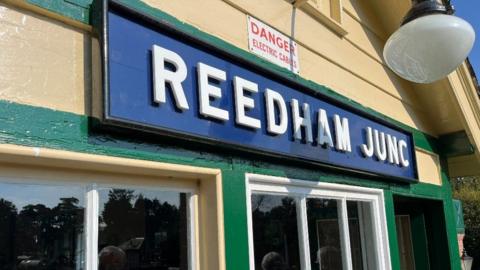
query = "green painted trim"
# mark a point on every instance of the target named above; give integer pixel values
(81, 3)
(235, 220)
(78, 10)
(423, 140)
(420, 190)
(450, 220)
(392, 230)
(65, 8)
(312, 173)
(451, 234)
(441, 251)
(41, 127)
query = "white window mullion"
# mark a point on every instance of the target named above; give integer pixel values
(302, 224)
(191, 232)
(91, 230)
(382, 240)
(363, 233)
(345, 235)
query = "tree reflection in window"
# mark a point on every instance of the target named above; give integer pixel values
(275, 234)
(324, 234)
(37, 234)
(142, 229)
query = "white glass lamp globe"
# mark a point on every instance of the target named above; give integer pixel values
(429, 48)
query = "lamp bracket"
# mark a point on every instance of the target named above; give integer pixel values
(426, 7)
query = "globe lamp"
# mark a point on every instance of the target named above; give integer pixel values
(430, 43)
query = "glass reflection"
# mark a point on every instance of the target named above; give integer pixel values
(355, 235)
(142, 229)
(41, 227)
(275, 233)
(324, 234)
(362, 241)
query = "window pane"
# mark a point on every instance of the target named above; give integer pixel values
(41, 227)
(324, 234)
(142, 229)
(362, 242)
(355, 236)
(405, 243)
(275, 233)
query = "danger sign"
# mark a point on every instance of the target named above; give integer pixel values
(272, 45)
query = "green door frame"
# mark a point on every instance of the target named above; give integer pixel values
(429, 232)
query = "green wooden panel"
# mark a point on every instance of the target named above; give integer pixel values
(450, 217)
(431, 222)
(392, 232)
(236, 228)
(420, 242)
(451, 233)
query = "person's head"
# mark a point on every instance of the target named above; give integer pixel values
(273, 261)
(111, 258)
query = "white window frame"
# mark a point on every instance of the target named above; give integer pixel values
(91, 214)
(301, 190)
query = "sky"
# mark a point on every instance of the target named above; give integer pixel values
(469, 10)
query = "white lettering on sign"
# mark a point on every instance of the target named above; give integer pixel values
(162, 76)
(272, 45)
(272, 98)
(299, 121)
(243, 102)
(367, 149)
(378, 145)
(402, 145)
(324, 136)
(391, 148)
(343, 134)
(206, 91)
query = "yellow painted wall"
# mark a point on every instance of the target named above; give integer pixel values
(53, 66)
(428, 167)
(43, 61)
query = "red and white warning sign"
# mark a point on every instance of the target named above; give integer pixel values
(272, 45)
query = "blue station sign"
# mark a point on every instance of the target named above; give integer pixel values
(166, 81)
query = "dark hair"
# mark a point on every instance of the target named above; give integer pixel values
(112, 258)
(273, 261)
